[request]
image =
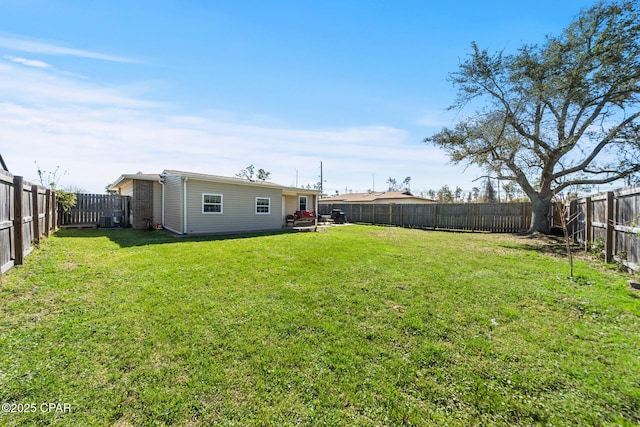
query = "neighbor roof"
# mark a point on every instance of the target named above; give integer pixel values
(370, 197)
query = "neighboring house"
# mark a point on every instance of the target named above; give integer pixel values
(193, 203)
(376, 198)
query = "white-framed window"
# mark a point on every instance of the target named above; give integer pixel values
(211, 203)
(302, 203)
(263, 205)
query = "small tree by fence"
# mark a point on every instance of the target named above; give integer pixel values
(610, 220)
(27, 213)
(495, 217)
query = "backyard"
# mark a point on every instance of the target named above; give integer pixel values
(357, 325)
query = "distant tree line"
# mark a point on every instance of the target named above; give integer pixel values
(486, 193)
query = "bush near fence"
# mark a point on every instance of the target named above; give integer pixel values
(495, 217)
(27, 213)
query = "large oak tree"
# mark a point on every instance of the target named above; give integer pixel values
(555, 115)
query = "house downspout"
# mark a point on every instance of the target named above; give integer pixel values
(161, 181)
(184, 230)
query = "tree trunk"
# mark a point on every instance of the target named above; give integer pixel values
(540, 217)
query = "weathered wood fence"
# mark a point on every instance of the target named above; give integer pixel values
(27, 213)
(104, 210)
(495, 217)
(610, 219)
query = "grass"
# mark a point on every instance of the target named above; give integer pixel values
(357, 325)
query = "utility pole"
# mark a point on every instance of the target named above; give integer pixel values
(321, 181)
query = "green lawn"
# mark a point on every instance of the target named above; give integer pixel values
(355, 325)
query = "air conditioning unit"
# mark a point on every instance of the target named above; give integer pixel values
(107, 222)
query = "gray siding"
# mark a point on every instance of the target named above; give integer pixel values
(157, 203)
(239, 208)
(173, 206)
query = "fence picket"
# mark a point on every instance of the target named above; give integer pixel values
(611, 218)
(24, 218)
(496, 217)
(91, 208)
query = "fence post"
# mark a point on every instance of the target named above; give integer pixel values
(125, 211)
(55, 211)
(47, 212)
(35, 214)
(608, 244)
(18, 222)
(588, 221)
(567, 213)
(473, 217)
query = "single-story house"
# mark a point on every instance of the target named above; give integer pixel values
(194, 203)
(404, 196)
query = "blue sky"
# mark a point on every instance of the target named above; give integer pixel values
(104, 88)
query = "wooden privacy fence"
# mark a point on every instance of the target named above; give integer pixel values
(104, 210)
(27, 212)
(610, 219)
(496, 217)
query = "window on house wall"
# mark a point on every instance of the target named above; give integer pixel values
(263, 205)
(302, 203)
(211, 203)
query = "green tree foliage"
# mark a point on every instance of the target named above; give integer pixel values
(263, 175)
(250, 173)
(445, 195)
(66, 199)
(406, 183)
(476, 193)
(395, 186)
(561, 114)
(458, 193)
(510, 190)
(489, 191)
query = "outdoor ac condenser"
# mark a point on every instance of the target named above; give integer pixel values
(106, 222)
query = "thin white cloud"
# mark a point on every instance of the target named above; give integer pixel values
(436, 118)
(431, 122)
(96, 145)
(28, 62)
(33, 85)
(98, 132)
(21, 44)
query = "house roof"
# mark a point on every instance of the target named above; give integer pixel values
(139, 175)
(372, 196)
(212, 178)
(3, 164)
(240, 181)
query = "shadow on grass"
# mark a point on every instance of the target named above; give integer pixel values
(127, 237)
(544, 244)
